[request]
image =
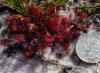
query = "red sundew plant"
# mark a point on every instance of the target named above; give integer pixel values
(39, 29)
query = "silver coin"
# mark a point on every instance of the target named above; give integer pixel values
(88, 47)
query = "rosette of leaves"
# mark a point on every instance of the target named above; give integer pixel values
(38, 26)
(27, 28)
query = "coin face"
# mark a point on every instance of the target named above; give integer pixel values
(88, 47)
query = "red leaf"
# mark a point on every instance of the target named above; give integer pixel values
(28, 53)
(34, 11)
(54, 23)
(65, 20)
(58, 8)
(78, 34)
(29, 48)
(20, 38)
(58, 23)
(68, 31)
(76, 12)
(51, 10)
(59, 36)
(48, 38)
(31, 27)
(69, 34)
(84, 15)
(14, 27)
(88, 26)
(25, 19)
(7, 41)
(10, 19)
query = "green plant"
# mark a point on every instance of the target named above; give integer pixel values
(21, 6)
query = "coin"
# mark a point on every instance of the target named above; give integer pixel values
(88, 47)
